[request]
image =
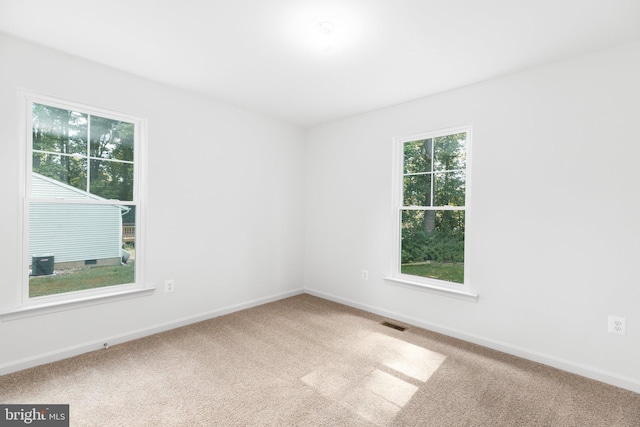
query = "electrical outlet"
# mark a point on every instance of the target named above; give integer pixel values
(169, 285)
(365, 274)
(617, 325)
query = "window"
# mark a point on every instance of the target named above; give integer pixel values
(83, 199)
(431, 201)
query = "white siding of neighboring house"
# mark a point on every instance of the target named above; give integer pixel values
(72, 232)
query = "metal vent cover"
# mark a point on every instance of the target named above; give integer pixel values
(393, 326)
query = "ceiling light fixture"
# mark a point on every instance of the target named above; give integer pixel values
(324, 35)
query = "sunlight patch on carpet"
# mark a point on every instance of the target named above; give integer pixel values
(409, 359)
(374, 394)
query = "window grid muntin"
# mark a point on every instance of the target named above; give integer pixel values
(401, 199)
(27, 151)
(88, 114)
(433, 143)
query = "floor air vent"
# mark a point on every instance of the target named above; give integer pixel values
(393, 326)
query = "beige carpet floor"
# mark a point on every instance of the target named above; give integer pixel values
(305, 361)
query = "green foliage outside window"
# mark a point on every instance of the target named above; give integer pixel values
(433, 214)
(61, 152)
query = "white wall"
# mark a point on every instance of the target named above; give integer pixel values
(552, 231)
(224, 216)
(554, 222)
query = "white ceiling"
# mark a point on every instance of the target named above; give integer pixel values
(262, 54)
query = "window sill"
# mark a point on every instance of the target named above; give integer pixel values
(438, 290)
(38, 310)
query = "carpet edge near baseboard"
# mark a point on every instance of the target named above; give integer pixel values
(586, 371)
(97, 344)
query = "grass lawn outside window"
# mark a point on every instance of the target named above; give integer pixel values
(78, 280)
(449, 271)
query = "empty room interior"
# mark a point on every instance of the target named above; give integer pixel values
(321, 212)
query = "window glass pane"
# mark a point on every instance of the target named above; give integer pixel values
(111, 139)
(75, 241)
(449, 188)
(74, 247)
(63, 171)
(433, 244)
(417, 156)
(57, 130)
(450, 152)
(111, 179)
(417, 190)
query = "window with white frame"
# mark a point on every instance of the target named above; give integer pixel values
(431, 207)
(83, 199)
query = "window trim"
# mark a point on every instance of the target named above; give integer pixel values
(64, 301)
(86, 301)
(441, 287)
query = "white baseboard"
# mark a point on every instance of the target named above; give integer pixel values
(565, 365)
(98, 344)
